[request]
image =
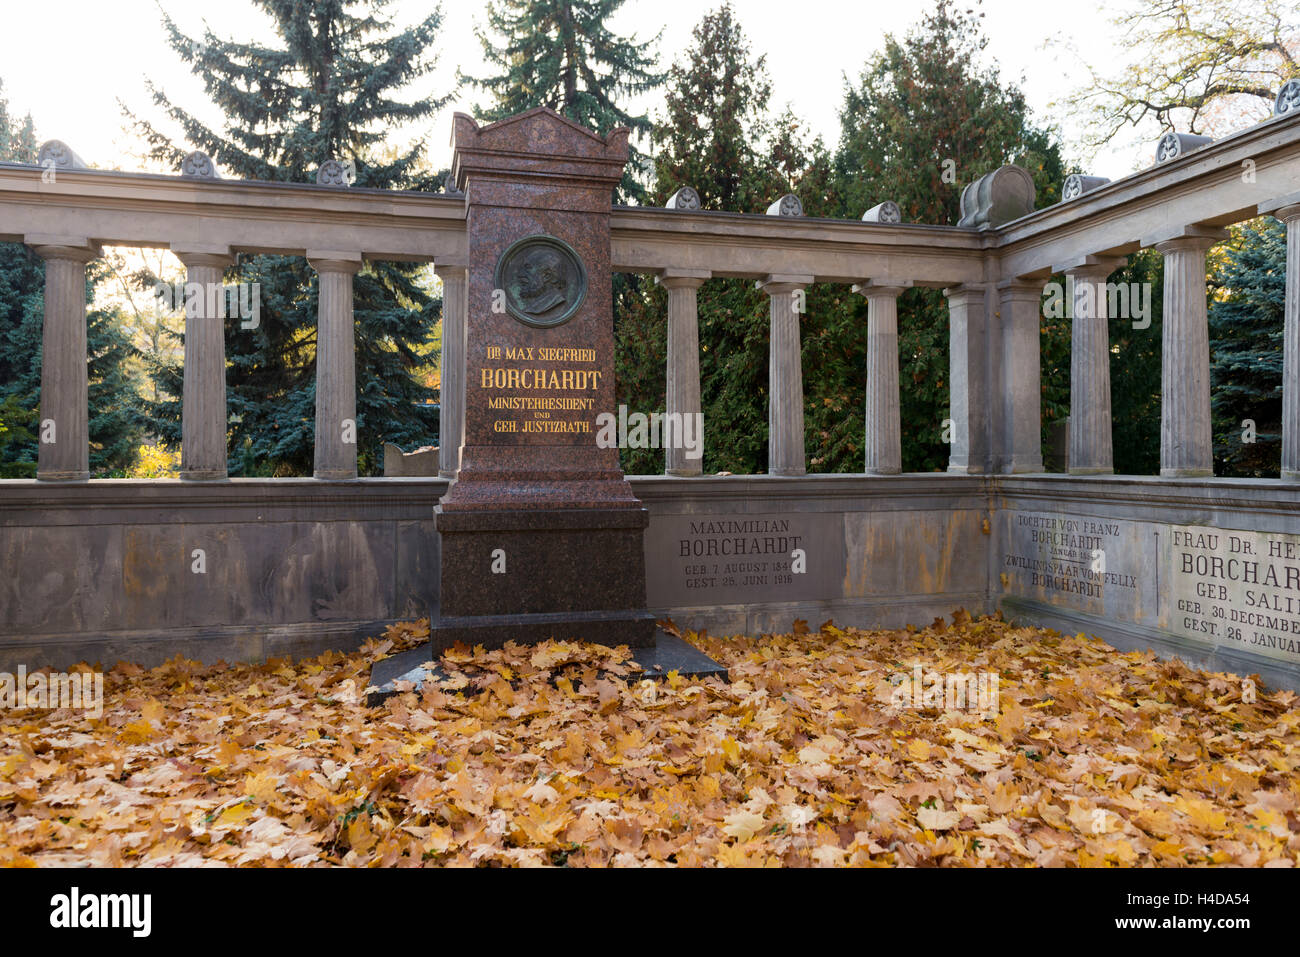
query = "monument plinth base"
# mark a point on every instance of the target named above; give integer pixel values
(529, 575)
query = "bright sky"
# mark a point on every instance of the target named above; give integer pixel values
(69, 63)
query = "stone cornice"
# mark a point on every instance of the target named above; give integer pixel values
(1212, 186)
(105, 501)
(754, 245)
(145, 209)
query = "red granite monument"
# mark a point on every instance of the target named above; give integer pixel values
(541, 534)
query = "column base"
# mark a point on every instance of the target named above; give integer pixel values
(335, 475)
(60, 476)
(1187, 473)
(788, 473)
(1093, 470)
(684, 473)
(1290, 476)
(1024, 468)
(884, 471)
(204, 475)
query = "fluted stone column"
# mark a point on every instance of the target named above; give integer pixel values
(63, 433)
(683, 372)
(336, 368)
(884, 446)
(969, 402)
(1291, 348)
(1020, 304)
(785, 449)
(203, 415)
(455, 321)
(1186, 439)
(1091, 447)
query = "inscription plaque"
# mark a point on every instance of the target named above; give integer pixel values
(1234, 588)
(743, 558)
(1226, 587)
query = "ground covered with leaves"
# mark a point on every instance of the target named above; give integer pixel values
(561, 754)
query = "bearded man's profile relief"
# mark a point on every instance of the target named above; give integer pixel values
(542, 285)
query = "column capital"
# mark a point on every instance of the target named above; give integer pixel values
(1091, 267)
(882, 287)
(1287, 214)
(1185, 237)
(76, 249)
(964, 291)
(682, 278)
(323, 260)
(777, 284)
(192, 255)
(1288, 204)
(451, 270)
(1021, 288)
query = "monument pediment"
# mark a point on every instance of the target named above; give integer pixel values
(540, 141)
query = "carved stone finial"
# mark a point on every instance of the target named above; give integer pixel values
(887, 212)
(685, 198)
(1076, 185)
(199, 165)
(997, 197)
(787, 205)
(1174, 145)
(1288, 98)
(333, 173)
(57, 154)
(449, 184)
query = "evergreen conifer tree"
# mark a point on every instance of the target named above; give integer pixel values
(561, 54)
(925, 107)
(1246, 327)
(717, 137)
(924, 99)
(117, 419)
(327, 89)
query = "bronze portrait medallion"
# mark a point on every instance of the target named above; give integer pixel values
(543, 280)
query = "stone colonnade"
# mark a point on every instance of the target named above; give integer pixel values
(64, 445)
(994, 364)
(1186, 439)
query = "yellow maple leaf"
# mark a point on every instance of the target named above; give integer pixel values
(937, 819)
(138, 732)
(742, 824)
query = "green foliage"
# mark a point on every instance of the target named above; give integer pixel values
(1246, 329)
(919, 108)
(717, 137)
(337, 68)
(1135, 369)
(923, 100)
(17, 436)
(117, 418)
(562, 55)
